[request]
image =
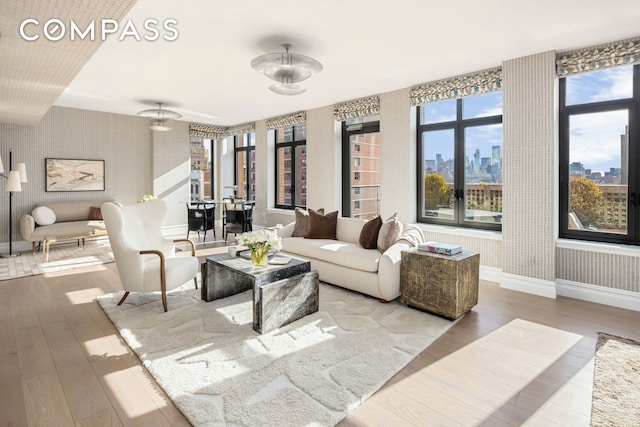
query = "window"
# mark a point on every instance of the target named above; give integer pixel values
(201, 169)
(598, 155)
(361, 166)
(460, 161)
(291, 166)
(245, 165)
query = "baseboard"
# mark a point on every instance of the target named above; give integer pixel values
(599, 294)
(530, 285)
(491, 274)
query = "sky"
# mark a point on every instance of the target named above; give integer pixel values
(594, 138)
(481, 137)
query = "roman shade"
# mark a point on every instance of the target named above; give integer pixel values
(624, 52)
(287, 120)
(458, 87)
(240, 129)
(362, 107)
(201, 130)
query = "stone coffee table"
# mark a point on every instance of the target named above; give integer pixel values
(281, 293)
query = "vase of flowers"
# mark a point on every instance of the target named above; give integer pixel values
(260, 242)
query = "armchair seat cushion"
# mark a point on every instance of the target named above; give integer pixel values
(179, 270)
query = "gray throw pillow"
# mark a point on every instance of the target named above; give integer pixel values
(389, 232)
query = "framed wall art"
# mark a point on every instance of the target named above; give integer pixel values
(74, 175)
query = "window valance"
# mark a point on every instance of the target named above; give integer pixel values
(287, 120)
(458, 87)
(201, 130)
(357, 108)
(241, 129)
(608, 55)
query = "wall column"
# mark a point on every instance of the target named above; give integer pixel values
(530, 174)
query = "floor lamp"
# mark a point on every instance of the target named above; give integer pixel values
(14, 180)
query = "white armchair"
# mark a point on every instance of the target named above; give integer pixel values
(146, 259)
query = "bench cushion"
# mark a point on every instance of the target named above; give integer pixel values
(67, 229)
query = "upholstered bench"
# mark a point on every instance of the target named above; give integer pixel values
(51, 222)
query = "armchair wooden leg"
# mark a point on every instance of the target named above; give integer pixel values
(164, 300)
(195, 281)
(124, 297)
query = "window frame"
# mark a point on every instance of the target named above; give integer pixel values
(458, 125)
(251, 146)
(293, 144)
(632, 237)
(348, 130)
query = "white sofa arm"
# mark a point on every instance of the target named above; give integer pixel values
(287, 230)
(389, 271)
(27, 225)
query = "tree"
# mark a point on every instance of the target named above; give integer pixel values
(586, 200)
(436, 191)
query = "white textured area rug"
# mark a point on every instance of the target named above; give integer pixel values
(312, 372)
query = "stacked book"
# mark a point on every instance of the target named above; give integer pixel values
(439, 248)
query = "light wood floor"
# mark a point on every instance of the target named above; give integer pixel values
(514, 359)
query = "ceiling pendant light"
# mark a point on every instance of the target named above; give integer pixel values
(287, 69)
(160, 117)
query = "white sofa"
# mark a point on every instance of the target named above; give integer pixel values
(72, 220)
(345, 263)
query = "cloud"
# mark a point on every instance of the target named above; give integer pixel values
(594, 139)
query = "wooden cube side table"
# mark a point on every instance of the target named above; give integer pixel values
(446, 285)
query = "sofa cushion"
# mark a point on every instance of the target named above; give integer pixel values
(43, 215)
(389, 232)
(345, 254)
(349, 229)
(302, 222)
(369, 234)
(322, 226)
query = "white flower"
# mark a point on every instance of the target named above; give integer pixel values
(261, 239)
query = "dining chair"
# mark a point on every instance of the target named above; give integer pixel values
(238, 218)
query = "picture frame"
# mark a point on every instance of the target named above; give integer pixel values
(74, 175)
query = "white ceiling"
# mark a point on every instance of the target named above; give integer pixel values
(366, 47)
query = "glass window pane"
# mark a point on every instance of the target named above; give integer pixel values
(439, 112)
(285, 134)
(300, 132)
(483, 173)
(366, 175)
(485, 105)
(365, 119)
(438, 171)
(241, 173)
(301, 175)
(602, 85)
(598, 171)
(252, 175)
(250, 139)
(284, 176)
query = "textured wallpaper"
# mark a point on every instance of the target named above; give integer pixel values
(530, 168)
(123, 142)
